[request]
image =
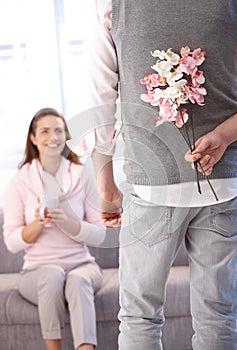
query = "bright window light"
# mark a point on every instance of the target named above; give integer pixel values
(42, 64)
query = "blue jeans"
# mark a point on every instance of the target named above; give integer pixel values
(149, 240)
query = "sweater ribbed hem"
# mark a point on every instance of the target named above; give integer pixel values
(155, 181)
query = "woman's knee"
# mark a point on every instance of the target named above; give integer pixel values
(76, 283)
(52, 278)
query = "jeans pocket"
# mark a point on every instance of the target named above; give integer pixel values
(224, 218)
(149, 223)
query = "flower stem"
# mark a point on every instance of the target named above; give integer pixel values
(195, 165)
(193, 148)
(188, 139)
(197, 177)
(206, 177)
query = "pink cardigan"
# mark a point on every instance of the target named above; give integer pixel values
(53, 245)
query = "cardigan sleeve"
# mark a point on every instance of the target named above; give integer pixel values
(14, 219)
(92, 231)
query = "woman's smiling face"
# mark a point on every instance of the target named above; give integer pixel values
(49, 137)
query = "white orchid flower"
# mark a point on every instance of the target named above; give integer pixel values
(173, 80)
(180, 84)
(176, 76)
(163, 68)
(172, 57)
(159, 54)
(182, 99)
(171, 92)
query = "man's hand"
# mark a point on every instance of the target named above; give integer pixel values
(110, 198)
(110, 206)
(208, 151)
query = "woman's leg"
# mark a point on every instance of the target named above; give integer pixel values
(86, 347)
(81, 285)
(53, 344)
(44, 287)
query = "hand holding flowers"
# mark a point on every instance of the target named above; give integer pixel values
(208, 150)
(177, 81)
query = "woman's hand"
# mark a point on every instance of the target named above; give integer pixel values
(56, 216)
(31, 231)
(65, 223)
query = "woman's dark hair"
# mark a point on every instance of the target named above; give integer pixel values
(31, 151)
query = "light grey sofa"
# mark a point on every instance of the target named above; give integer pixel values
(19, 322)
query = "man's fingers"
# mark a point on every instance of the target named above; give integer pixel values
(111, 219)
(202, 144)
(108, 215)
(189, 157)
(205, 164)
(112, 222)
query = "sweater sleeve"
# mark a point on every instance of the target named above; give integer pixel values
(102, 80)
(14, 218)
(103, 77)
(92, 231)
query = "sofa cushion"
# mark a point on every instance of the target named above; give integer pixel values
(9, 262)
(8, 285)
(181, 257)
(178, 292)
(16, 310)
(107, 298)
(107, 253)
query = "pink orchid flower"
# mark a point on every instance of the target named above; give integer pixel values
(158, 98)
(198, 56)
(153, 97)
(186, 65)
(148, 97)
(152, 80)
(181, 118)
(185, 51)
(197, 78)
(195, 94)
(162, 117)
(168, 112)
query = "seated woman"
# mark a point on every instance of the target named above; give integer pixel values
(58, 270)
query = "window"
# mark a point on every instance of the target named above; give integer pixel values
(42, 63)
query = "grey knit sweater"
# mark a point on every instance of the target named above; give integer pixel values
(155, 155)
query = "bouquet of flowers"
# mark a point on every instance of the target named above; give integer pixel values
(175, 81)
